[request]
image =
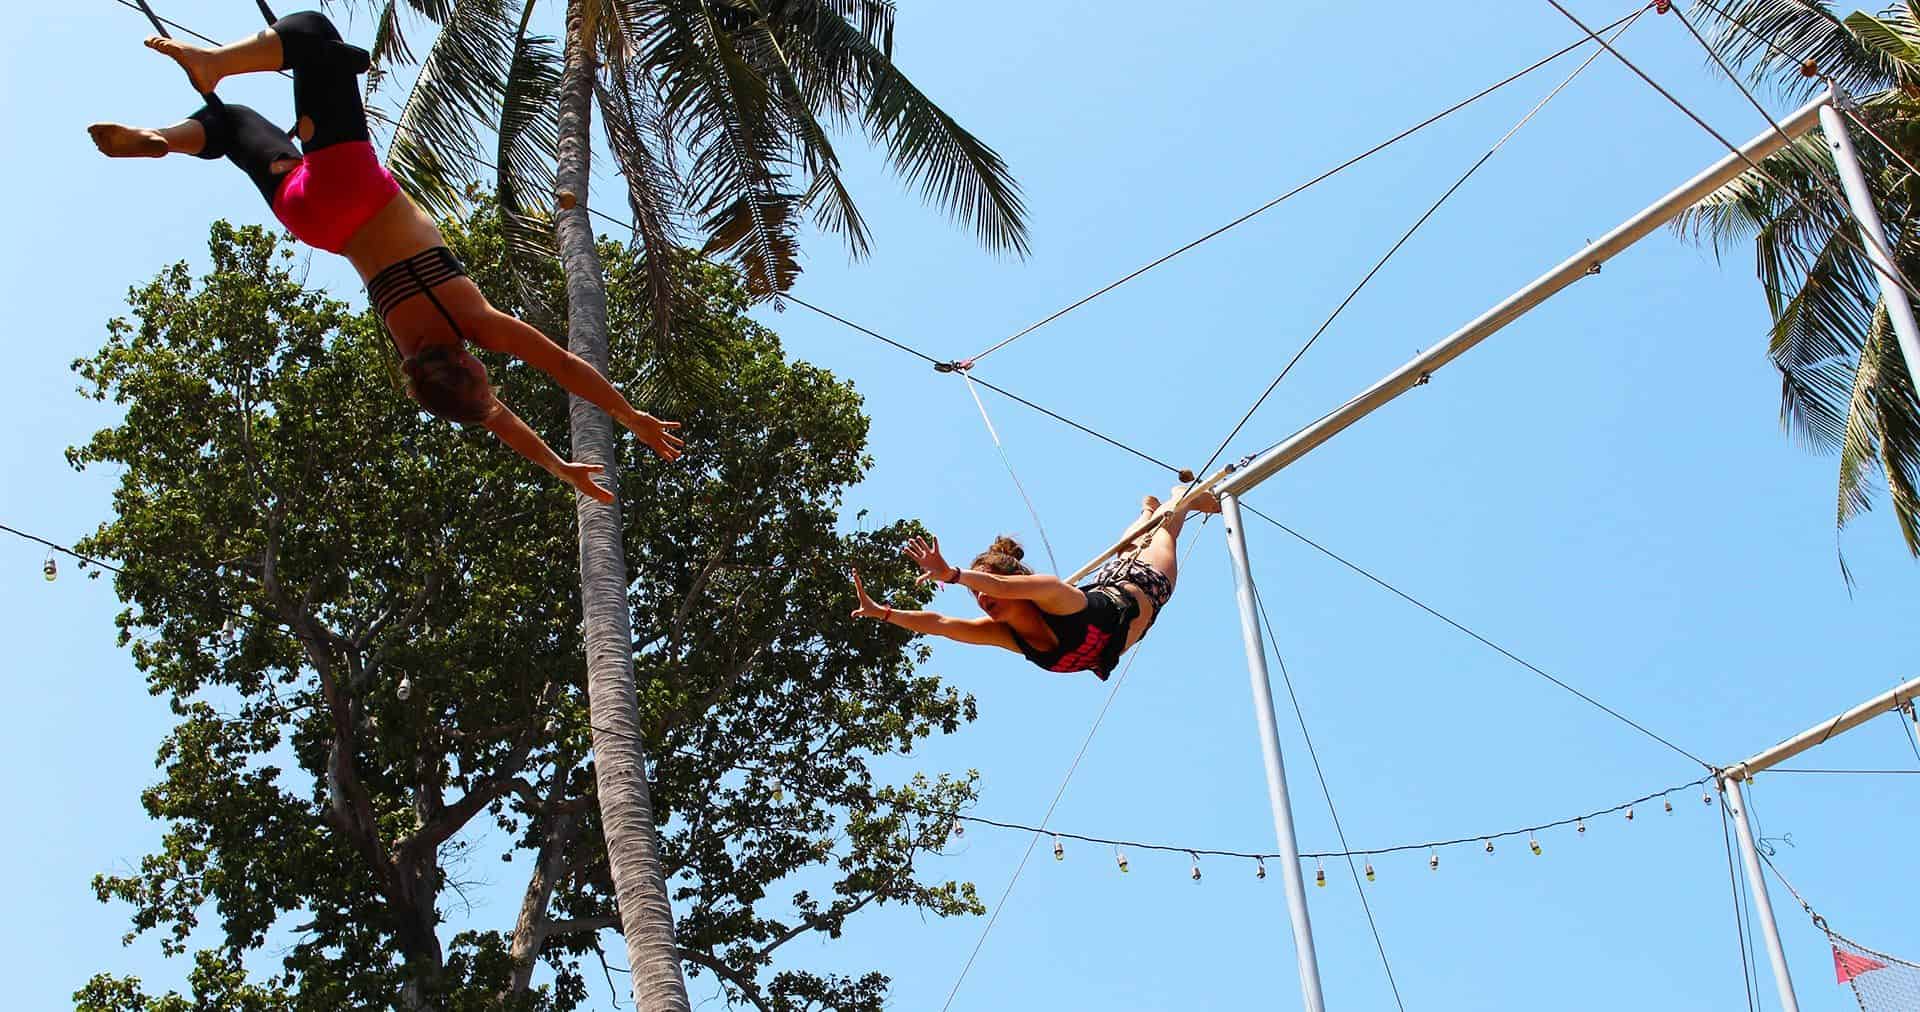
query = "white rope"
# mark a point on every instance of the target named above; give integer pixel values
(1004, 459)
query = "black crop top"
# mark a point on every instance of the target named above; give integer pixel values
(1091, 639)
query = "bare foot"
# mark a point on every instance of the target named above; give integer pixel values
(1149, 503)
(116, 141)
(1205, 502)
(197, 62)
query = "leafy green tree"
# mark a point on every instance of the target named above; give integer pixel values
(365, 620)
(1844, 387)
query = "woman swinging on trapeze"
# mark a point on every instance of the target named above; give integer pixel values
(333, 193)
(1054, 624)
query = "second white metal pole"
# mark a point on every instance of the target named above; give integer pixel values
(1756, 878)
(1291, 874)
(1873, 234)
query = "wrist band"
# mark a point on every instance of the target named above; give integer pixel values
(888, 617)
(957, 574)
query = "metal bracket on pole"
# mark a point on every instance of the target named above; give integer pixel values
(1763, 904)
(1290, 872)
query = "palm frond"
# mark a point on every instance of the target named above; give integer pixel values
(1771, 38)
(460, 85)
(527, 145)
(1897, 417)
(954, 170)
(652, 192)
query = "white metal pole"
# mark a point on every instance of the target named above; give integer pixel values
(1757, 879)
(1894, 698)
(1291, 873)
(1873, 234)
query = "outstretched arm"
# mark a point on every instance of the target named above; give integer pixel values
(1050, 593)
(979, 631)
(526, 442)
(511, 336)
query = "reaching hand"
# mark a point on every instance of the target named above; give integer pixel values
(580, 476)
(867, 608)
(925, 553)
(659, 435)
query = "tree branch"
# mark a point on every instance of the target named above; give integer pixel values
(749, 989)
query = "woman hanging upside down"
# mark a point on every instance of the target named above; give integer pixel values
(1056, 625)
(333, 193)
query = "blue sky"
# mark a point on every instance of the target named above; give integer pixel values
(1604, 489)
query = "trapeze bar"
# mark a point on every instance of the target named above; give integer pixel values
(1892, 699)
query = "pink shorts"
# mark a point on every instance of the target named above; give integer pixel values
(332, 193)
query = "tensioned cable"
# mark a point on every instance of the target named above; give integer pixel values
(1010, 395)
(1034, 841)
(1326, 792)
(1407, 236)
(1297, 190)
(85, 560)
(1032, 510)
(1905, 720)
(1739, 918)
(1841, 230)
(1503, 651)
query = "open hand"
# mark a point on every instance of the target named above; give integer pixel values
(580, 476)
(867, 608)
(659, 435)
(925, 553)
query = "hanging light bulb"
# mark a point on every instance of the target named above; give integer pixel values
(1369, 871)
(1319, 874)
(1196, 866)
(958, 830)
(1668, 804)
(1120, 858)
(405, 689)
(1433, 861)
(1260, 868)
(228, 630)
(50, 569)
(1059, 852)
(1706, 796)
(1533, 844)
(1580, 826)
(1629, 813)
(1489, 845)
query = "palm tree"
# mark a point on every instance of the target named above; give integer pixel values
(718, 114)
(1844, 386)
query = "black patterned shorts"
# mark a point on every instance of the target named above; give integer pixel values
(1151, 581)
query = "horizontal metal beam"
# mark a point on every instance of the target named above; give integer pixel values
(1417, 371)
(1892, 699)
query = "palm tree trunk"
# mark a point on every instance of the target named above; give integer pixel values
(626, 810)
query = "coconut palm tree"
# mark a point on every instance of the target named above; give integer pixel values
(718, 114)
(1844, 386)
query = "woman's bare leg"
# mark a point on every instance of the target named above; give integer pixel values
(1163, 550)
(186, 137)
(206, 67)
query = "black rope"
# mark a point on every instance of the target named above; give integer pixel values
(1326, 792)
(1302, 188)
(1739, 918)
(1405, 237)
(1503, 651)
(1841, 230)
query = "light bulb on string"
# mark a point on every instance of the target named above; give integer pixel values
(1489, 845)
(1369, 871)
(1260, 867)
(1319, 874)
(1706, 796)
(228, 630)
(1433, 861)
(1629, 813)
(1059, 852)
(1120, 858)
(1196, 865)
(1533, 844)
(958, 830)
(50, 568)
(405, 689)
(1667, 803)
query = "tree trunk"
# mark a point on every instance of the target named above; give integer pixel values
(626, 810)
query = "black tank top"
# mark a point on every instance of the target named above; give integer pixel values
(1091, 639)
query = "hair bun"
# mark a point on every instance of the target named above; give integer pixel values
(1004, 545)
